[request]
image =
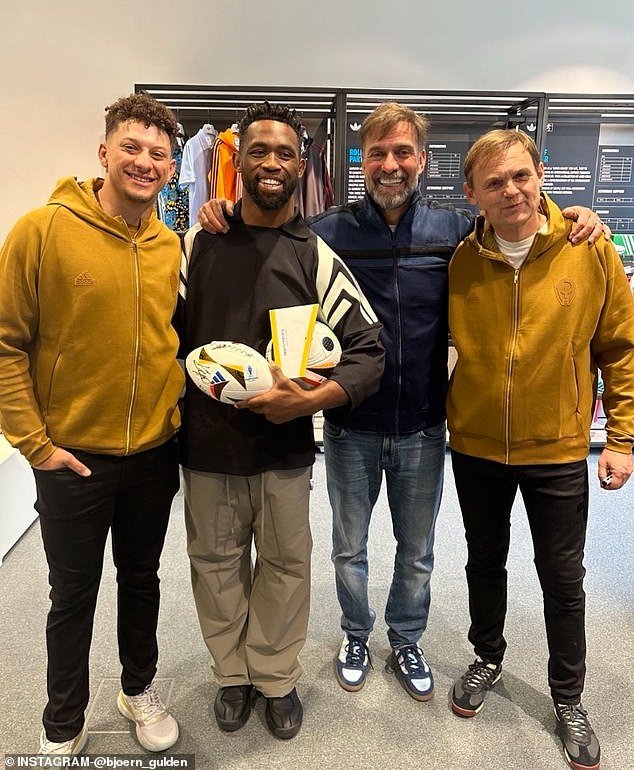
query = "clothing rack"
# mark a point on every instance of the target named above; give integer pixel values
(341, 109)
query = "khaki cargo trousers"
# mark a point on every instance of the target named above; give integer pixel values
(253, 611)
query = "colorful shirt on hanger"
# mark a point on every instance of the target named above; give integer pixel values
(225, 181)
(195, 168)
(173, 202)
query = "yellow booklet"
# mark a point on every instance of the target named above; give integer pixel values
(292, 333)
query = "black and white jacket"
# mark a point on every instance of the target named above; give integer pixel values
(228, 285)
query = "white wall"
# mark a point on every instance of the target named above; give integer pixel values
(62, 62)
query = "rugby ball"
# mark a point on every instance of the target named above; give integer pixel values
(229, 371)
(323, 355)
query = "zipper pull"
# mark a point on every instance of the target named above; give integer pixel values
(516, 276)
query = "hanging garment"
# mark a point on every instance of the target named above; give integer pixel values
(224, 180)
(314, 194)
(173, 201)
(195, 168)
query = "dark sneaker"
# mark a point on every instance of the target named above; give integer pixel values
(233, 705)
(284, 715)
(470, 690)
(351, 667)
(412, 671)
(581, 746)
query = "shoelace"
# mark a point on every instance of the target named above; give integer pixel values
(412, 659)
(149, 703)
(575, 718)
(478, 676)
(356, 650)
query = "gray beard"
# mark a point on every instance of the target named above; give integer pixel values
(391, 200)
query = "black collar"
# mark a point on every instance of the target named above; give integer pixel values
(295, 227)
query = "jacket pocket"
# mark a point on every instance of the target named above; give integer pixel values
(46, 406)
(548, 405)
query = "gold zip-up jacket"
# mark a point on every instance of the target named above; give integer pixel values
(529, 342)
(87, 351)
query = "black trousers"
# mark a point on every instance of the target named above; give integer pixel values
(556, 500)
(132, 497)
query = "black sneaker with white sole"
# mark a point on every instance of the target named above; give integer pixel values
(581, 746)
(470, 690)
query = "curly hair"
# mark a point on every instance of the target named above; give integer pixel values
(267, 111)
(141, 108)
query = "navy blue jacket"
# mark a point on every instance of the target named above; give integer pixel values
(403, 274)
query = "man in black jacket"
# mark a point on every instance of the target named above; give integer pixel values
(247, 469)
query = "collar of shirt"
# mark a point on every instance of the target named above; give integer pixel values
(295, 227)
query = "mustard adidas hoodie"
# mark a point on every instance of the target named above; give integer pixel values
(87, 351)
(529, 342)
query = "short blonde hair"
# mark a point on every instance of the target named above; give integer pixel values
(494, 143)
(388, 115)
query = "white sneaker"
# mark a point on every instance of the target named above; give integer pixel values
(156, 728)
(73, 746)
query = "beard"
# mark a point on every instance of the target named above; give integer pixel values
(270, 201)
(390, 199)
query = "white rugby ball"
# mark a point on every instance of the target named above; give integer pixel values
(324, 354)
(229, 371)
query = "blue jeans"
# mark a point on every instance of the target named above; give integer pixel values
(414, 468)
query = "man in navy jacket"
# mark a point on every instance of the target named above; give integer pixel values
(398, 246)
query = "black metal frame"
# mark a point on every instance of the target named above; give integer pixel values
(507, 109)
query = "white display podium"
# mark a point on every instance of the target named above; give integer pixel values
(17, 495)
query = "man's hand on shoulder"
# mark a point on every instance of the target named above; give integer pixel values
(212, 215)
(588, 225)
(61, 459)
(615, 468)
(287, 400)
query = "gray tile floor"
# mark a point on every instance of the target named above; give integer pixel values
(379, 727)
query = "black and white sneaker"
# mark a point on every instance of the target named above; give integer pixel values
(470, 690)
(351, 667)
(411, 669)
(581, 746)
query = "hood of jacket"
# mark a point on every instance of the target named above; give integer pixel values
(229, 139)
(80, 197)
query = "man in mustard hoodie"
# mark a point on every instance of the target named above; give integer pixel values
(532, 316)
(88, 394)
